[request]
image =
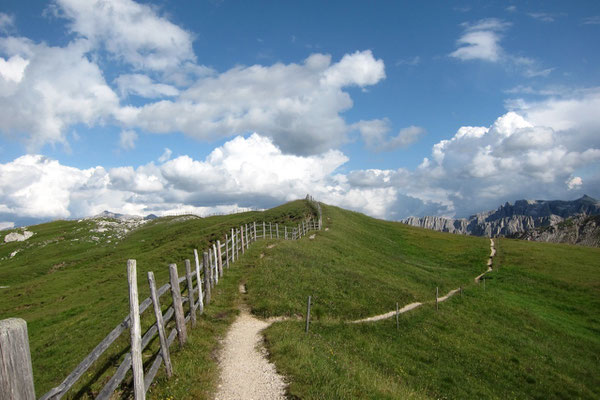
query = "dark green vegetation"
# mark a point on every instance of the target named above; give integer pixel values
(72, 290)
(533, 333)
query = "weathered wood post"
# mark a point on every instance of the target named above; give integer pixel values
(238, 241)
(255, 237)
(226, 251)
(215, 264)
(264, 230)
(160, 324)
(16, 373)
(135, 331)
(277, 230)
(233, 245)
(200, 295)
(308, 314)
(206, 264)
(177, 305)
(270, 230)
(247, 240)
(242, 238)
(436, 298)
(220, 258)
(285, 232)
(190, 287)
(397, 317)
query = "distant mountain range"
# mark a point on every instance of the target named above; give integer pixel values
(542, 220)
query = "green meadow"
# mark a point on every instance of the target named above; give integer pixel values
(533, 332)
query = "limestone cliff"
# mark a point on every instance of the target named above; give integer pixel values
(514, 220)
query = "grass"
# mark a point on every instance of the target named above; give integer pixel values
(361, 267)
(533, 333)
(72, 289)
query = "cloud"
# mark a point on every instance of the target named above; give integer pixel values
(534, 153)
(542, 16)
(130, 31)
(144, 86)
(412, 61)
(6, 225)
(375, 134)
(574, 183)
(127, 139)
(7, 22)
(480, 41)
(593, 20)
(166, 155)
(298, 106)
(46, 89)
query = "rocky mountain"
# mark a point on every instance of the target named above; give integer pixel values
(581, 229)
(515, 219)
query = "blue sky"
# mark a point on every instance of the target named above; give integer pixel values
(389, 108)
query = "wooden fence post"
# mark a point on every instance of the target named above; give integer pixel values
(220, 258)
(190, 286)
(264, 230)
(16, 373)
(308, 314)
(200, 294)
(135, 333)
(285, 232)
(160, 324)
(277, 230)
(242, 238)
(255, 231)
(215, 264)
(247, 239)
(177, 305)
(206, 263)
(436, 298)
(270, 230)
(226, 251)
(233, 245)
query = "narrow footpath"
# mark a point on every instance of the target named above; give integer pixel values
(246, 373)
(451, 293)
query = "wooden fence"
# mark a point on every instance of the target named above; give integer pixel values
(16, 380)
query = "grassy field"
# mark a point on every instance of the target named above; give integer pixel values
(69, 283)
(533, 333)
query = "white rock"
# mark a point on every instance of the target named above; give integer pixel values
(17, 237)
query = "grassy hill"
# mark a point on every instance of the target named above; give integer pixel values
(533, 333)
(69, 282)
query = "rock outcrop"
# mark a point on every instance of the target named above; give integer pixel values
(514, 220)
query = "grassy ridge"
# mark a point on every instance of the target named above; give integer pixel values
(72, 291)
(362, 266)
(533, 333)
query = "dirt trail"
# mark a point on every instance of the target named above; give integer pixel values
(246, 373)
(451, 293)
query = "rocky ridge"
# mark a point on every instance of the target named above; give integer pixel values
(524, 216)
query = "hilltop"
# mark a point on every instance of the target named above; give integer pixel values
(516, 220)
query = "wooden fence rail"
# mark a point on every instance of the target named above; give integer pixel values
(197, 285)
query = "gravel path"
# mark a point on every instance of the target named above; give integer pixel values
(246, 373)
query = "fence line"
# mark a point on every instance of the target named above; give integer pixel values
(211, 268)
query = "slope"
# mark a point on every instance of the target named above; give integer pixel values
(68, 281)
(532, 333)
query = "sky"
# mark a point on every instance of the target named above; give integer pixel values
(391, 108)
